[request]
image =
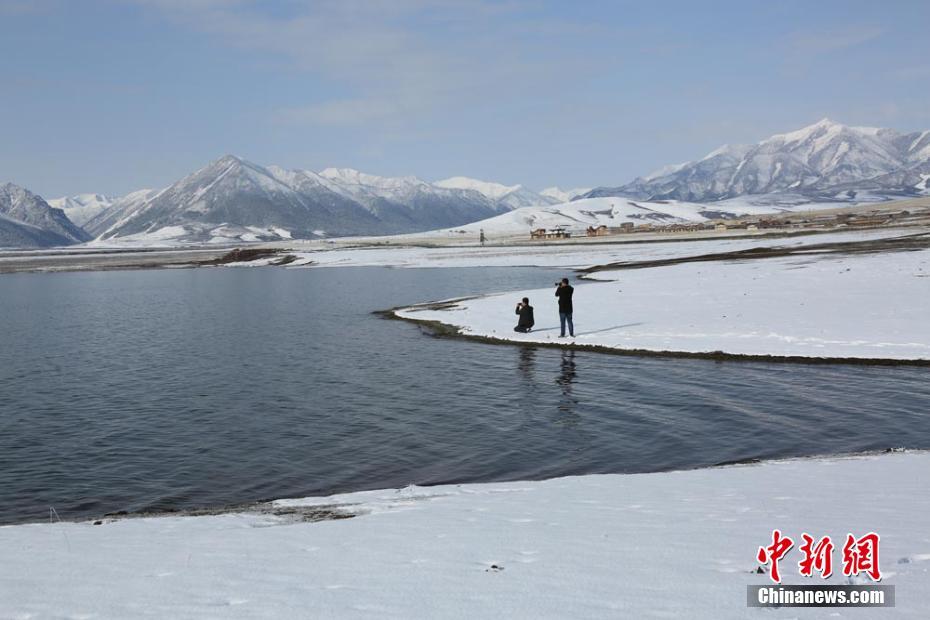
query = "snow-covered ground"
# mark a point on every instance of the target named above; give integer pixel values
(178, 236)
(567, 255)
(871, 306)
(667, 545)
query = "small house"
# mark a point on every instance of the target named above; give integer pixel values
(558, 232)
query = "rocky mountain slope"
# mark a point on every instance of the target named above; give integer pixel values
(26, 220)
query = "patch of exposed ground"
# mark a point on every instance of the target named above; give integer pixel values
(282, 515)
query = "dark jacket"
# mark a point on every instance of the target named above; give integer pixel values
(564, 293)
(526, 316)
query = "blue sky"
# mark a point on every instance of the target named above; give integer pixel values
(115, 95)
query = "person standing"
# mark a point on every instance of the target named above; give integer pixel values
(564, 293)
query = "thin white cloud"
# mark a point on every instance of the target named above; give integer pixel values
(390, 59)
(828, 41)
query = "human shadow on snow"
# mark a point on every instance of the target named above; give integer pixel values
(596, 331)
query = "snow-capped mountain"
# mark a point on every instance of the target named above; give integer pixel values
(822, 160)
(399, 198)
(82, 207)
(26, 220)
(564, 195)
(234, 199)
(506, 196)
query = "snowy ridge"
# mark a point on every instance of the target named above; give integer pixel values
(823, 159)
(564, 195)
(579, 214)
(509, 196)
(491, 190)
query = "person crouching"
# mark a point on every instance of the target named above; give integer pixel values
(525, 312)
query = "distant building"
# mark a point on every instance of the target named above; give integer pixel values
(598, 231)
(559, 232)
(683, 227)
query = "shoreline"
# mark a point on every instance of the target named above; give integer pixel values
(292, 509)
(440, 329)
(581, 546)
(288, 508)
(770, 304)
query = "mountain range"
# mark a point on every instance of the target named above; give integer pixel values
(823, 161)
(234, 200)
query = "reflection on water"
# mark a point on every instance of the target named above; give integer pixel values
(567, 374)
(527, 365)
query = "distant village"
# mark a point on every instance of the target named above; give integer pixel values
(810, 220)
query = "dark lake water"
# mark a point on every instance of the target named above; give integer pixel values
(172, 389)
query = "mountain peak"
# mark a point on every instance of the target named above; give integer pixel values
(821, 127)
(29, 221)
(14, 190)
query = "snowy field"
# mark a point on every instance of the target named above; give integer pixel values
(870, 306)
(570, 255)
(667, 545)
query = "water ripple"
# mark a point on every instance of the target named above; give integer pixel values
(157, 390)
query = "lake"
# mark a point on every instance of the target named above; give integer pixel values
(181, 388)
